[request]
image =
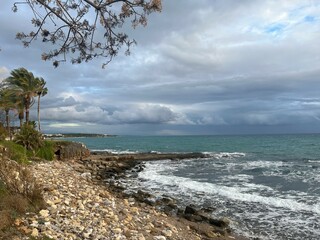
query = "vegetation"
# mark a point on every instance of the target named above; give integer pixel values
(46, 151)
(15, 151)
(19, 191)
(21, 87)
(29, 137)
(85, 29)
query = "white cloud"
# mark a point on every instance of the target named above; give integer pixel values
(4, 72)
(63, 125)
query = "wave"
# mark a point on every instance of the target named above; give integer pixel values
(113, 151)
(225, 155)
(313, 161)
(185, 185)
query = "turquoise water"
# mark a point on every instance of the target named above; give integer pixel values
(268, 185)
(294, 146)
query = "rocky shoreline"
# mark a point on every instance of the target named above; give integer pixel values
(82, 206)
(111, 169)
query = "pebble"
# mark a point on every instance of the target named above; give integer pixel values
(35, 232)
(159, 238)
(167, 233)
(80, 209)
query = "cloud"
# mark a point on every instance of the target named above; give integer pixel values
(210, 66)
(4, 72)
(130, 114)
(64, 125)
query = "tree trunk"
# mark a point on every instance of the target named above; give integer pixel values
(39, 127)
(27, 115)
(21, 117)
(27, 109)
(8, 122)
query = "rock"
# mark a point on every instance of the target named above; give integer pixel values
(171, 227)
(117, 230)
(35, 232)
(159, 238)
(222, 223)
(17, 222)
(190, 209)
(167, 233)
(86, 175)
(141, 237)
(44, 213)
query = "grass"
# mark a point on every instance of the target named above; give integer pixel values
(15, 151)
(46, 151)
(14, 201)
(19, 154)
(14, 205)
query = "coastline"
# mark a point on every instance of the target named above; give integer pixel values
(80, 205)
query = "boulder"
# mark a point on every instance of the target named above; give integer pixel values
(190, 209)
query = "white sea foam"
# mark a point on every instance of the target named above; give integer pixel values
(264, 164)
(233, 193)
(113, 151)
(314, 161)
(225, 155)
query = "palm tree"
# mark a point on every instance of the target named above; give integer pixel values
(41, 91)
(25, 85)
(7, 102)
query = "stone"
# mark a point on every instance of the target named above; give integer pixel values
(222, 223)
(159, 238)
(141, 237)
(57, 200)
(17, 222)
(190, 209)
(167, 233)
(134, 210)
(25, 229)
(44, 213)
(171, 227)
(35, 232)
(117, 230)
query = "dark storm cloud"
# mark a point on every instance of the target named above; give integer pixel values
(220, 66)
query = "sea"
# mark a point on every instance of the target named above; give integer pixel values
(267, 185)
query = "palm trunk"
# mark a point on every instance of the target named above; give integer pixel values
(21, 117)
(8, 122)
(27, 109)
(27, 115)
(39, 127)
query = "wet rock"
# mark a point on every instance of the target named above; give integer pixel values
(222, 223)
(190, 209)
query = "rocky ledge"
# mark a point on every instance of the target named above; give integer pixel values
(108, 168)
(79, 208)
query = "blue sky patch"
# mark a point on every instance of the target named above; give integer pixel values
(309, 19)
(275, 29)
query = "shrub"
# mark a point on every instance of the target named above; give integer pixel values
(6, 219)
(29, 137)
(18, 179)
(3, 133)
(15, 151)
(15, 202)
(46, 151)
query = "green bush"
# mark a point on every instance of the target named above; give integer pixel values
(29, 137)
(3, 133)
(46, 151)
(15, 151)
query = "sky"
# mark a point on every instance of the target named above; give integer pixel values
(199, 67)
